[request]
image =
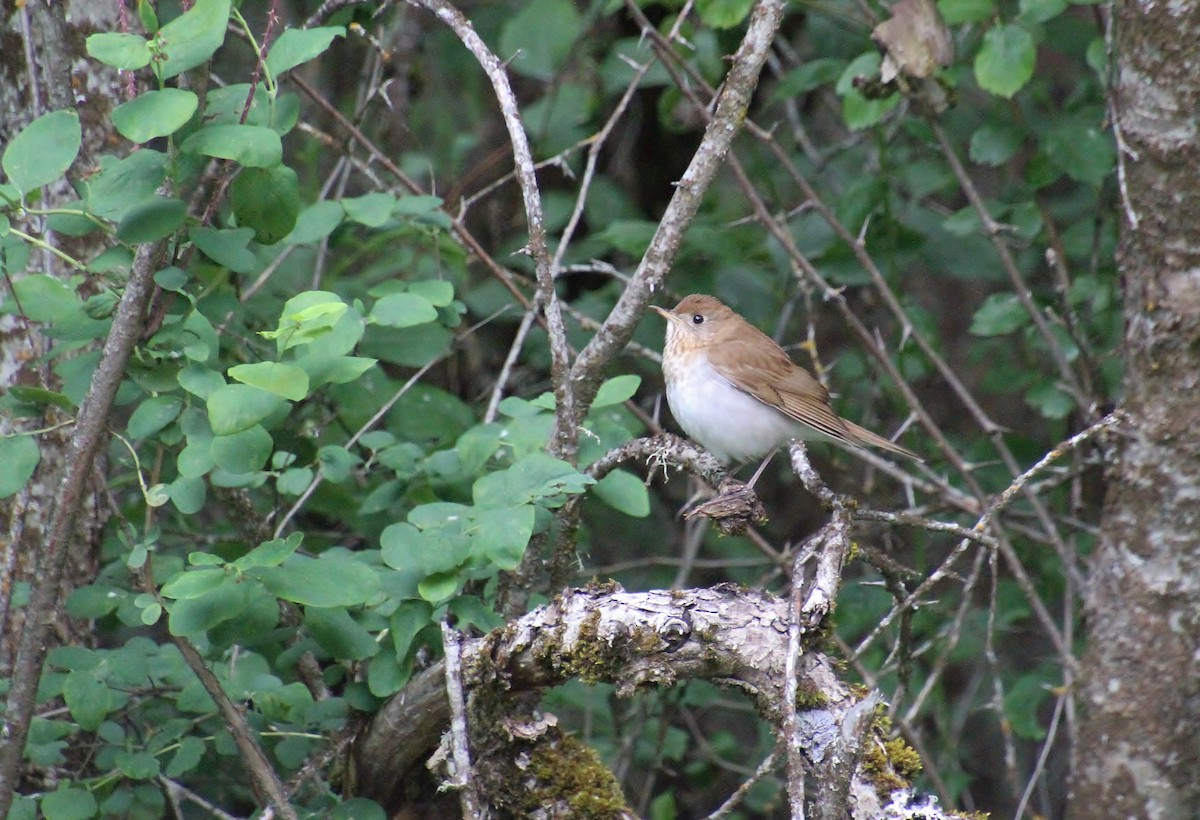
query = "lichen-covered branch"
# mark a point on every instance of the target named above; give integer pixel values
(634, 640)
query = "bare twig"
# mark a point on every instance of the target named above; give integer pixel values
(459, 732)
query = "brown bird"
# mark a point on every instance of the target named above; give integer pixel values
(737, 393)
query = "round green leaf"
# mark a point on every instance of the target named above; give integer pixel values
(128, 52)
(193, 37)
(1005, 60)
(69, 804)
(88, 698)
(194, 616)
(438, 587)
(226, 247)
(285, 380)
(244, 452)
(339, 634)
(193, 583)
(43, 150)
(616, 390)
(154, 114)
(186, 757)
(966, 11)
(316, 222)
(267, 200)
(544, 33)
(20, 456)
(723, 13)
(296, 46)
(251, 145)
(137, 765)
(154, 414)
(152, 220)
(625, 492)
(321, 582)
(403, 310)
(43, 298)
(233, 408)
(500, 536)
(188, 494)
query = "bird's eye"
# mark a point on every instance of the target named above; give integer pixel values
(698, 319)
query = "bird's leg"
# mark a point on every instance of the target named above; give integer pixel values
(762, 467)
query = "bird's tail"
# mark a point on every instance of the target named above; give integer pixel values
(862, 435)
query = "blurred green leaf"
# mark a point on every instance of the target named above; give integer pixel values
(538, 39)
(42, 151)
(154, 114)
(128, 52)
(193, 37)
(251, 145)
(267, 200)
(1005, 61)
(296, 46)
(284, 380)
(20, 456)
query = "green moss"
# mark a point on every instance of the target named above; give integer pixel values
(592, 660)
(809, 696)
(890, 764)
(569, 773)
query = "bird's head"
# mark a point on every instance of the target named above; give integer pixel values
(697, 321)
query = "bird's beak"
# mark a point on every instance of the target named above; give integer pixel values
(666, 314)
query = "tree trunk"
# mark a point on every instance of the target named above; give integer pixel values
(46, 69)
(1139, 744)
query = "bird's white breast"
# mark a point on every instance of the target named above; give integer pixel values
(730, 423)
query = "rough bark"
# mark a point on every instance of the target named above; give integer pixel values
(43, 68)
(1139, 744)
(733, 636)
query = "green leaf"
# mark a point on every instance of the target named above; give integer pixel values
(403, 310)
(237, 407)
(154, 113)
(128, 52)
(476, 446)
(41, 397)
(316, 222)
(93, 601)
(88, 698)
(616, 390)
(416, 205)
(296, 46)
(305, 318)
(339, 634)
(267, 200)
(226, 247)
(535, 478)
(251, 145)
(188, 494)
(1050, 400)
(324, 582)
(193, 37)
(1005, 61)
(191, 617)
(244, 452)
(152, 220)
(199, 380)
(386, 675)
(1082, 150)
(20, 456)
(438, 587)
(810, 75)
(270, 553)
(723, 13)
(624, 492)
(1039, 11)
(125, 183)
(137, 765)
(69, 804)
(538, 40)
(966, 11)
(45, 299)
(438, 292)
(172, 278)
(994, 143)
(43, 150)
(154, 414)
(285, 380)
(500, 535)
(193, 583)
(857, 110)
(1000, 314)
(372, 210)
(187, 756)
(409, 619)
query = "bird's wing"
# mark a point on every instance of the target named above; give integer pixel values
(761, 368)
